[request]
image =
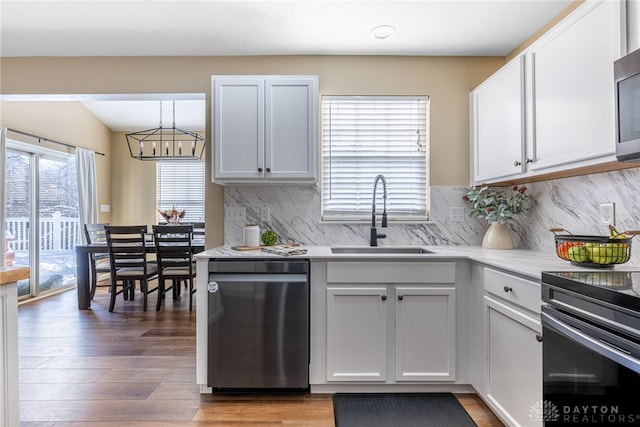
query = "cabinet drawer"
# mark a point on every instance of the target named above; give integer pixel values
(390, 272)
(525, 293)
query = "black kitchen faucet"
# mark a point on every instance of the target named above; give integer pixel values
(374, 231)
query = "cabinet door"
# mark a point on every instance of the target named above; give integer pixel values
(291, 130)
(514, 363)
(573, 103)
(498, 129)
(425, 334)
(9, 404)
(238, 128)
(356, 333)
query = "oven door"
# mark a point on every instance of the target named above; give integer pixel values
(591, 376)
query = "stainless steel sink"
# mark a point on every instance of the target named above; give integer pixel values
(379, 250)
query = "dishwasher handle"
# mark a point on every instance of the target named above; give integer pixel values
(258, 278)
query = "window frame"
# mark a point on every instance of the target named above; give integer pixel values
(364, 216)
(178, 204)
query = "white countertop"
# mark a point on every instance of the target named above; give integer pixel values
(523, 262)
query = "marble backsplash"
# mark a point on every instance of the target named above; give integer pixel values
(572, 203)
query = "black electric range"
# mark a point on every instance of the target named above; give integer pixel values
(618, 289)
(591, 347)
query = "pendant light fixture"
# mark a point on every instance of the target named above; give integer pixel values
(165, 143)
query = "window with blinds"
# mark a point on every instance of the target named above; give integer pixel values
(363, 136)
(181, 184)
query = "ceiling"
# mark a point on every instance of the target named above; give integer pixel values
(262, 27)
(131, 116)
(268, 27)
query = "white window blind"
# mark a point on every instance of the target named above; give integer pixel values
(365, 136)
(181, 184)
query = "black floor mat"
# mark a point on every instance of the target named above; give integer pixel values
(399, 410)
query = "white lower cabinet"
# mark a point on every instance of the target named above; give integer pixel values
(425, 333)
(9, 405)
(514, 349)
(356, 334)
(389, 331)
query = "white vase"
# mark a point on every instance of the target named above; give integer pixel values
(497, 237)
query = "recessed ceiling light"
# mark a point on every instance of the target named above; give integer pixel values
(382, 31)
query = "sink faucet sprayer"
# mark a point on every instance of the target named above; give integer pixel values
(374, 232)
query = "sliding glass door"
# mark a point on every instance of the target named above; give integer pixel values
(19, 195)
(41, 217)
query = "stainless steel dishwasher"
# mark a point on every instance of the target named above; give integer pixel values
(258, 334)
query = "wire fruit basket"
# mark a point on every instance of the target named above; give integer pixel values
(594, 251)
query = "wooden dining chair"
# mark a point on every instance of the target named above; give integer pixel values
(129, 263)
(198, 230)
(174, 254)
(98, 262)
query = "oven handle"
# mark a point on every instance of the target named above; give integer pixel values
(598, 346)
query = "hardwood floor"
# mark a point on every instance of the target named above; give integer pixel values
(135, 368)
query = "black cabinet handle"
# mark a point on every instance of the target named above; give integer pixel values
(400, 297)
(268, 169)
(508, 288)
(259, 169)
(384, 297)
(517, 163)
(528, 160)
(538, 337)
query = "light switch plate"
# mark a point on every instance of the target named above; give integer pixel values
(265, 213)
(234, 213)
(105, 208)
(456, 214)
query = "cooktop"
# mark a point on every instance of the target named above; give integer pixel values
(621, 288)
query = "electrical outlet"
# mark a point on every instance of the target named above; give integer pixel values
(608, 213)
(456, 214)
(234, 213)
(265, 213)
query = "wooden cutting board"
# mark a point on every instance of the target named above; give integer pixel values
(257, 248)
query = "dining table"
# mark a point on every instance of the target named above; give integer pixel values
(83, 262)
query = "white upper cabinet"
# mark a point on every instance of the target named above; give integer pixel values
(572, 100)
(498, 123)
(238, 128)
(551, 108)
(264, 129)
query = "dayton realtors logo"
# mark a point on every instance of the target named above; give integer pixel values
(581, 414)
(544, 411)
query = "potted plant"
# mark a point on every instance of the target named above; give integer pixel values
(497, 207)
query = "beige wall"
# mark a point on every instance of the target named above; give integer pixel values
(535, 36)
(447, 81)
(67, 122)
(135, 202)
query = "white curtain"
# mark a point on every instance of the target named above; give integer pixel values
(87, 188)
(3, 155)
